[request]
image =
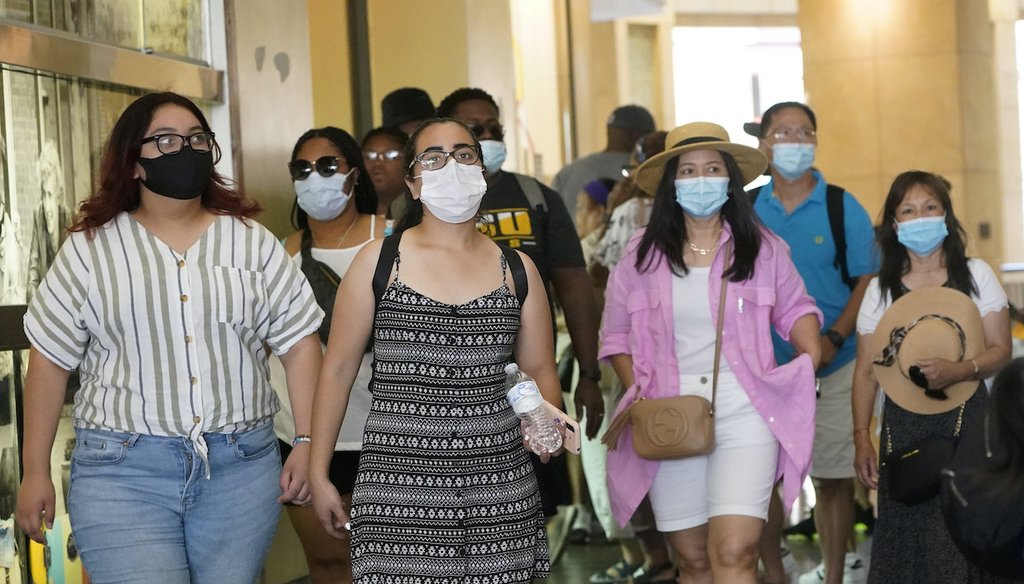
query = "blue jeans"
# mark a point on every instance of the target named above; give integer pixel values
(142, 509)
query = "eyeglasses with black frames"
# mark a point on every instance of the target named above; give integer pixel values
(436, 159)
(325, 166)
(200, 142)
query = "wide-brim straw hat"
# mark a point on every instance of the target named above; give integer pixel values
(933, 322)
(700, 136)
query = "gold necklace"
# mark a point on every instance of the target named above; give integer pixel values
(338, 241)
(701, 250)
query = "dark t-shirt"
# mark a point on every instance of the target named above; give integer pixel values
(550, 240)
(548, 237)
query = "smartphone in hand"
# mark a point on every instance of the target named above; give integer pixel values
(571, 434)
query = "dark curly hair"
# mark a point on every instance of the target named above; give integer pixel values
(364, 193)
(446, 109)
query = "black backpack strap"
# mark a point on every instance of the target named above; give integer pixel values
(385, 263)
(531, 189)
(515, 265)
(834, 195)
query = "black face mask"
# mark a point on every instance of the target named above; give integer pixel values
(184, 175)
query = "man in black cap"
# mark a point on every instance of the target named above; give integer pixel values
(406, 108)
(626, 126)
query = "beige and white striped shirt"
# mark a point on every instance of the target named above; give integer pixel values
(170, 344)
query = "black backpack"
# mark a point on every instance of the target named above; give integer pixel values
(836, 222)
(986, 523)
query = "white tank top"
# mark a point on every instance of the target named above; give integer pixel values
(351, 435)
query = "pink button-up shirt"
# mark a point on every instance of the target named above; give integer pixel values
(638, 321)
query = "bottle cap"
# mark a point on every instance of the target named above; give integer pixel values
(511, 368)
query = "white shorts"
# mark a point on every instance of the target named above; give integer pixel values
(832, 456)
(735, 479)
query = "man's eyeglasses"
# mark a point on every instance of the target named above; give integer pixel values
(496, 131)
(326, 166)
(386, 155)
(201, 142)
(435, 159)
(788, 135)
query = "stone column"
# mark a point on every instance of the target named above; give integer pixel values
(912, 84)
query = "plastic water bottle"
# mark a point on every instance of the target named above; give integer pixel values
(526, 401)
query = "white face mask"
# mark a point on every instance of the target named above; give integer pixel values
(453, 193)
(322, 198)
(494, 155)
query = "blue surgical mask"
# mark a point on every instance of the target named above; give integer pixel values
(792, 160)
(922, 236)
(322, 198)
(703, 196)
(494, 155)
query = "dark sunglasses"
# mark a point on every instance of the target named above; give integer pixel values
(917, 376)
(496, 130)
(326, 166)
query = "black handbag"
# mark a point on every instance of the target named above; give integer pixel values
(915, 472)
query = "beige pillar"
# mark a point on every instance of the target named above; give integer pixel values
(911, 84)
(330, 62)
(417, 44)
(274, 105)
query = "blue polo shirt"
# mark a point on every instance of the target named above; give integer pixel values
(806, 230)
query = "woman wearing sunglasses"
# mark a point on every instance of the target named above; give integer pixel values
(166, 297)
(445, 491)
(923, 246)
(335, 211)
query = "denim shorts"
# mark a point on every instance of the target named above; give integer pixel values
(142, 509)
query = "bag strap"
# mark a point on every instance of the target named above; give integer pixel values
(718, 331)
(834, 195)
(834, 204)
(531, 189)
(515, 265)
(956, 429)
(618, 424)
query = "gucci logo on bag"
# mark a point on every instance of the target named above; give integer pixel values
(668, 427)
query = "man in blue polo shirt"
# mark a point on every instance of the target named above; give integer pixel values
(794, 205)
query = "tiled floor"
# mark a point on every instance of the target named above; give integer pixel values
(576, 563)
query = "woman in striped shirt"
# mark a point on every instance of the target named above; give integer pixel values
(166, 298)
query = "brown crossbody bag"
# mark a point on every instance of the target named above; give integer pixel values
(672, 427)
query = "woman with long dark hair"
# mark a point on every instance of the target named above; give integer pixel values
(659, 332)
(166, 297)
(923, 246)
(335, 212)
(445, 491)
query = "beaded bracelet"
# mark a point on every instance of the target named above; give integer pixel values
(301, 439)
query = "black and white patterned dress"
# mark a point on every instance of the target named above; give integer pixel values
(445, 491)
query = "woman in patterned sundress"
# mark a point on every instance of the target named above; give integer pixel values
(445, 491)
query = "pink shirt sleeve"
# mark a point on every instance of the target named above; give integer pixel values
(615, 320)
